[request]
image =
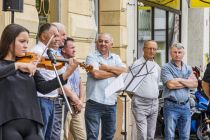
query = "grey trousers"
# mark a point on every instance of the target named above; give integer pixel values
(145, 112)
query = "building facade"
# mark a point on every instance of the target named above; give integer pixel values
(130, 22)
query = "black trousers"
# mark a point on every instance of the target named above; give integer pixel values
(20, 129)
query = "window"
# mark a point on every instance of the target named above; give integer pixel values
(144, 27)
(159, 25)
(42, 7)
(160, 35)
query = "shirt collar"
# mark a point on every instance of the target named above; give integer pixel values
(41, 44)
(173, 63)
(99, 54)
(148, 59)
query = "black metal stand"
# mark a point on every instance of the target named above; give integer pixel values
(125, 112)
(63, 104)
(125, 98)
(12, 17)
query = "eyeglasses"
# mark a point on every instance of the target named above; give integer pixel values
(151, 49)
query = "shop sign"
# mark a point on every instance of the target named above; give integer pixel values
(144, 8)
(199, 3)
(174, 4)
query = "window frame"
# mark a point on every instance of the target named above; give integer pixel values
(167, 10)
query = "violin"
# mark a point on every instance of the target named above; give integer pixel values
(44, 62)
(83, 65)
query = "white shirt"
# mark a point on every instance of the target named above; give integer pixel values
(47, 74)
(148, 87)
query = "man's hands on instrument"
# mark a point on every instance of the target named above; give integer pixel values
(73, 64)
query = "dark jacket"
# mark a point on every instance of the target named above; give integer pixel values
(18, 93)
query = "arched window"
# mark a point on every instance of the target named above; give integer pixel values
(43, 7)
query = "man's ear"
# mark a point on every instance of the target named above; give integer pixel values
(43, 37)
(63, 50)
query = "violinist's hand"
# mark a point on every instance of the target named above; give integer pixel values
(26, 67)
(73, 64)
(38, 58)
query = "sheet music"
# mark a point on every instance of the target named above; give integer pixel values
(137, 73)
(116, 85)
(130, 81)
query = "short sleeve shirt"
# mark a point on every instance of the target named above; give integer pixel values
(170, 71)
(148, 86)
(96, 88)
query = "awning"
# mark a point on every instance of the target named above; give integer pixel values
(169, 5)
(144, 8)
(199, 3)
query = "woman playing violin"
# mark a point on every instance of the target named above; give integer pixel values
(20, 117)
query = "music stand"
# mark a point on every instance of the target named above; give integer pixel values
(132, 80)
(137, 73)
(66, 100)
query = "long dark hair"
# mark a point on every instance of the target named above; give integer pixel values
(8, 37)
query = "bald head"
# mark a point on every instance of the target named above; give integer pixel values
(107, 35)
(104, 43)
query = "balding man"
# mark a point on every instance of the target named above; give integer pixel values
(145, 99)
(100, 109)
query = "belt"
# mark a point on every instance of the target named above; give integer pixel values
(177, 102)
(50, 98)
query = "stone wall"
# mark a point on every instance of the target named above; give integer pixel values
(113, 19)
(29, 19)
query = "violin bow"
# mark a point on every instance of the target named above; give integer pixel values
(48, 43)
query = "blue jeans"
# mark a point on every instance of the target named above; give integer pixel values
(96, 112)
(56, 128)
(176, 115)
(47, 109)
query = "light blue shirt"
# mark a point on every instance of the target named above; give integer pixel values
(95, 88)
(74, 81)
(171, 71)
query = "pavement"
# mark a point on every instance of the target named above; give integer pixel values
(192, 137)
